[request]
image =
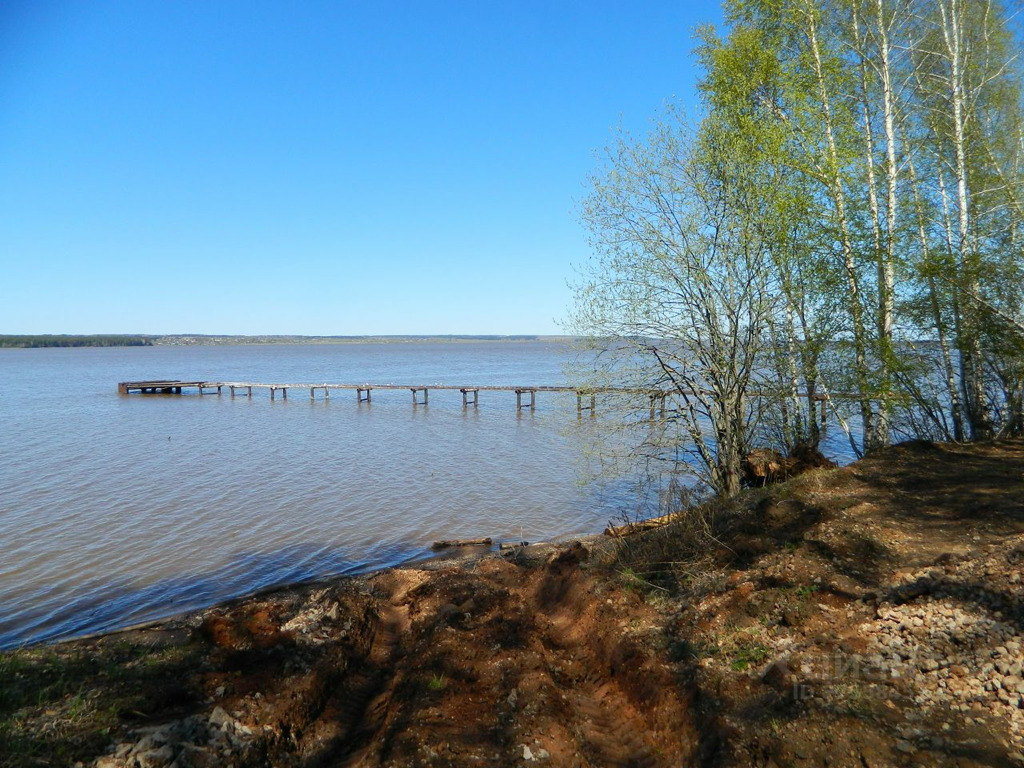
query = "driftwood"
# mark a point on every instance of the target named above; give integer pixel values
(446, 543)
(639, 525)
(513, 544)
(764, 466)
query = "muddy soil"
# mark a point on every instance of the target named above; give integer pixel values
(865, 616)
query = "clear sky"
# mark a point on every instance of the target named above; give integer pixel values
(251, 167)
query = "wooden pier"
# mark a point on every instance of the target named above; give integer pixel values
(526, 396)
(164, 387)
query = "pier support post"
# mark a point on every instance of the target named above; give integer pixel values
(359, 395)
(415, 400)
(580, 408)
(519, 398)
(465, 397)
(658, 404)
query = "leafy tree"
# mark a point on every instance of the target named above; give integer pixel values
(678, 294)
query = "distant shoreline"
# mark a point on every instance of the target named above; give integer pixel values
(35, 341)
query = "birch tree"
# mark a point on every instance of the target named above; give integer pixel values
(678, 290)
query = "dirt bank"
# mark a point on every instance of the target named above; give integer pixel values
(866, 616)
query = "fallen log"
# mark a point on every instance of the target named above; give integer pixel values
(765, 466)
(446, 543)
(639, 525)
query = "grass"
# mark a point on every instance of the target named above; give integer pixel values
(61, 705)
(746, 657)
(805, 591)
(437, 683)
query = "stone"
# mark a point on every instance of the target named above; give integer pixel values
(220, 718)
(527, 753)
(197, 757)
(155, 758)
(148, 743)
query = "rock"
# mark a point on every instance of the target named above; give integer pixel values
(197, 757)
(220, 718)
(149, 743)
(155, 758)
(905, 746)
(527, 753)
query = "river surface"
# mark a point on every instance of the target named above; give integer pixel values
(119, 509)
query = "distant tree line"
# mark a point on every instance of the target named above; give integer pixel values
(847, 218)
(32, 342)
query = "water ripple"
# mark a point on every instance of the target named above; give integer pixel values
(119, 509)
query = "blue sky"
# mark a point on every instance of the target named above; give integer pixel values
(316, 167)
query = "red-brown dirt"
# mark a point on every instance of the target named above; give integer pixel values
(865, 616)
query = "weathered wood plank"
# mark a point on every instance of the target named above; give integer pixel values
(447, 543)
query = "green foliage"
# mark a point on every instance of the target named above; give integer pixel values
(437, 683)
(26, 342)
(846, 219)
(749, 656)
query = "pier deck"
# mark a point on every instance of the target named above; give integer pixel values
(162, 386)
(420, 393)
(526, 395)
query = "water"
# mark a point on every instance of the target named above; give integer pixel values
(120, 509)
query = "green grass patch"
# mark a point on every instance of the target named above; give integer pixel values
(61, 704)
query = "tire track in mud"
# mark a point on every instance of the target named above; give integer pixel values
(344, 732)
(530, 659)
(605, 723)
